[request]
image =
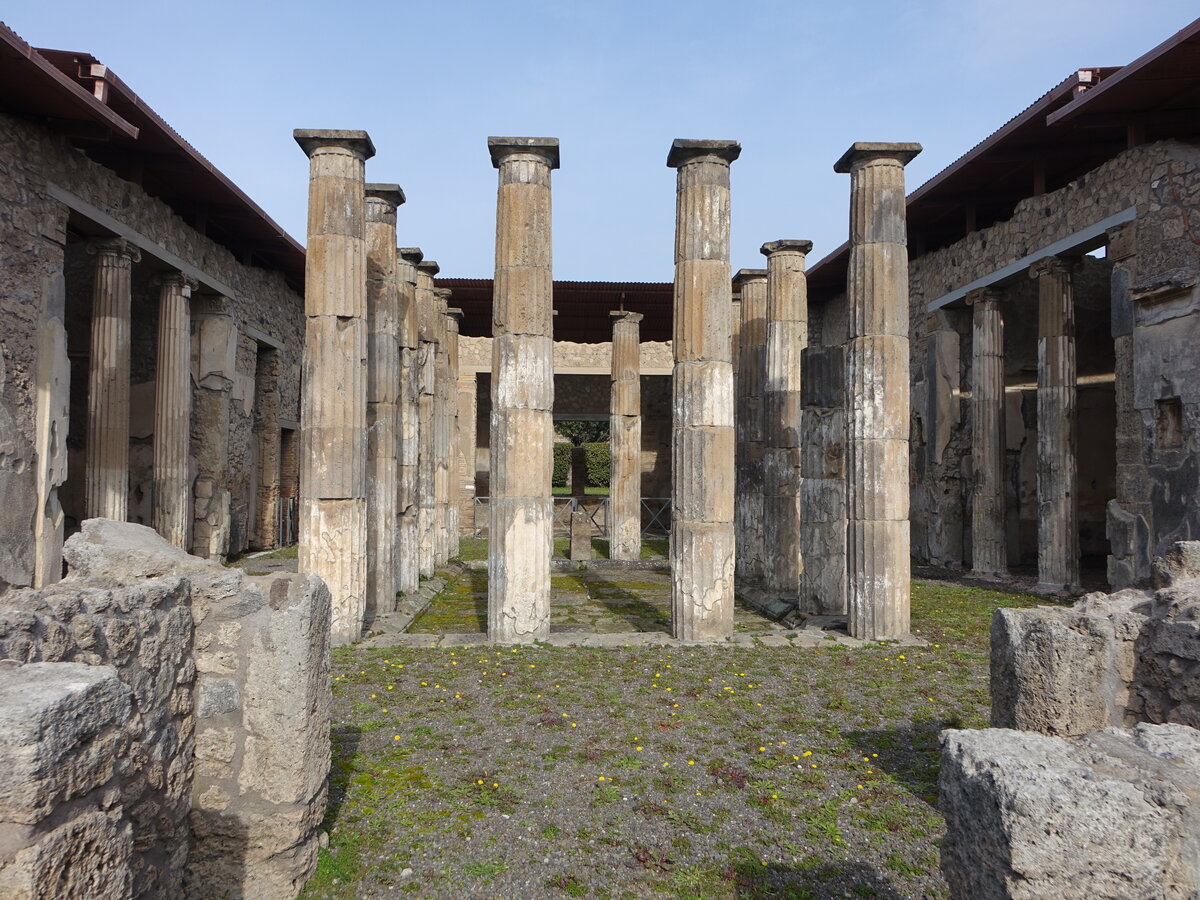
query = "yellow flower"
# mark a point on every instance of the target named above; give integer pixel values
(808, 753)
(691, 762)
(762, 749)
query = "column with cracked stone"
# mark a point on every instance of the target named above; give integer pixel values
(333, 403)
(877, 393)
(989, 550)
(443, 407)
(520, 514)
(625, 438)
(702, 440)
(468, 415)
(383, 395)
(173, 411)
(787, 336)
(749, 424)
(408, 533)
(106, 475)
(428, 328)
(453, 464)
(1057, 468)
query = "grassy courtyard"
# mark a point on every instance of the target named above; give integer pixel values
(651, 771)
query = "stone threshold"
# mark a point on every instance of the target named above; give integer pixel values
(807, 638)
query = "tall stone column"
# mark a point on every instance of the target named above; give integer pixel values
(749, 424)
(383, 395)
(408, 532)
(702, 440)
(877, 392)
(823, 485)
(106, 477)
(172, 515)
(333, 407)
(625, 439)
(520, 512)
(989, 553)
(783, 439)
(428, 328)
(1057, 472)
(468, 437)
(444, 404)
(453, 463)
(215, 339)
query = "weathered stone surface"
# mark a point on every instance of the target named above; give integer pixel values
(823, 489)
(581, 534)
(625, 439)
(988, 540)
(1113, 814)
(750, 425)
(173, 412)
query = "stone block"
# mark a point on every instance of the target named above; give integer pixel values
(520, 535)
(523, 372)
(877, 480)
(702, 394)
(703, 311)
(703, 458)
(702, 590)
(522, 448)
(877, 383)
(524, 301)
(879, 274)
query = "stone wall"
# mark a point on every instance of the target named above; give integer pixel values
(37, 303)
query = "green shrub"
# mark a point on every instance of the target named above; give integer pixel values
(562, 465)
(599, 463)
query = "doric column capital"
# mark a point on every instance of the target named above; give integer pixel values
(786, 246)
(115, 247)
(1053, 265)
(747, 275)
(864, 153)
(428, 267)
(411, 255)
(544, 149)
(689, 150)
(984, 295)
(622, 315)
(452, 313)
(382, 202)
(442, 294)
(321, 140)
(186, 283)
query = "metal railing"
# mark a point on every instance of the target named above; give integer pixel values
(656, 515)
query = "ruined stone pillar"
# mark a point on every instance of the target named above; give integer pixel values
(520, 512)
(468, 437)
(173, 411)
(989, 553)
(823, 484)
(748, 420)
(453, 463)
(333, 407)
(625, 439)
(106, 477)
(444, 405)
(877, 392)
(428, 328)
(408, 532)
(702, 440)
(383, 395)
(786, 338)
(215, 340)
(1057, 472)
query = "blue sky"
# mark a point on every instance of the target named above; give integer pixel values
(795, 81)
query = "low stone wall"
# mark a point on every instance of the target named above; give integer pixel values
(224, 781)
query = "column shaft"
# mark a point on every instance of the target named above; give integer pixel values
(749, 424)
(453, 457)
(468, 437)
(877, 399)
(444, 405)
(786, 338)
(215, 349)
(427, 353)
(989, 554)
(333, 408)
(702, 445)
(408, 533)
(520, 513)
(625, 439)
(107, 471)
(173, 412)
(1057, 472)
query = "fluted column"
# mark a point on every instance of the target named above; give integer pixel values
(444, 404)
(333, 407)
(383, 395)
(1057, 472)
(408, 533)
(625, 439)
(702, 440)
(106, 477)
(877, 392)
(749, 424)
(520, 511)
(428, 329)
(172, 514)
(453, 456)
(989, 553)
(786, 338)
(468, 437)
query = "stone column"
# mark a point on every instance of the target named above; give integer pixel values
(106, 478)
(520, 513)
(453, 462)
(877, 392)
(443, 409)
(427, 349)
(1057, 473)
(989, 553)
(408, 532)
(215, 351)
(787, 336)
(333, 408)
(702, 440)
(468, 437)
(748, 419)
(269, 438)
(823, 484)
(383, 395)
(625, 439)
(173, 411)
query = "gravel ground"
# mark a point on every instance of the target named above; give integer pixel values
(629, 773)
